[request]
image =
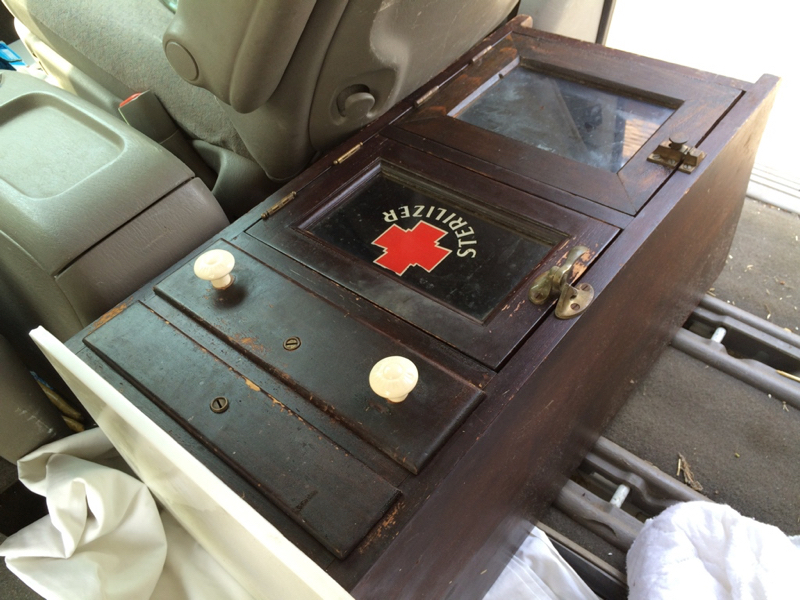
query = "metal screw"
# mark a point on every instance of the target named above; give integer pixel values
(574, 306)
(293, 343)
(220, 404)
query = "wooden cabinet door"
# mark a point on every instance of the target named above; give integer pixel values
(446, 249)
(576, 116)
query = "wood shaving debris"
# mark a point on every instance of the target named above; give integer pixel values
(688, 476)
(785, 407)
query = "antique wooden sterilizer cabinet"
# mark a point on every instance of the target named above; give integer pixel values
(528, 231)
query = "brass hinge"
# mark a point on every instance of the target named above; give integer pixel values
(480, 55)
(279, 205)
(348, 154)
(572, 300)
(676, 153)
(426, 96)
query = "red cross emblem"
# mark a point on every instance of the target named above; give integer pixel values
(403, 248)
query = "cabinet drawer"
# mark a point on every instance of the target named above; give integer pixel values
(331, 365)
(334, 496)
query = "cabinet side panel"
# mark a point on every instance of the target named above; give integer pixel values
(647, 282)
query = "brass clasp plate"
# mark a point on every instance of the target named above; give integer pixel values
(572, 301)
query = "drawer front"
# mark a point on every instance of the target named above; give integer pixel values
(331, 366)
(335, 497)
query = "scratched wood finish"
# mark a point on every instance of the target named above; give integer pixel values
(458, 521)
(331, 366)
(281, 453)
(698, 105)
(561, 389)
(490, 341)
(497, 172)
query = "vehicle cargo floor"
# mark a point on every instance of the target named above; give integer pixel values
(743, 446)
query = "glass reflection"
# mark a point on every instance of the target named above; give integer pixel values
(467, 261)
(596, 127)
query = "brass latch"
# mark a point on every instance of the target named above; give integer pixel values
(676, 153)
(572, 300)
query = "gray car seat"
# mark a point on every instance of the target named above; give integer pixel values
(286, 79)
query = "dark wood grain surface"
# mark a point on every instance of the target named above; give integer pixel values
(555, 396)
(489, 341)
(530, 396)
(697, 104)
(281, 454)
(331, 366)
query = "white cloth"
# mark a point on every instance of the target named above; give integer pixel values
(707, 550)
(104, 537)
(538, 572)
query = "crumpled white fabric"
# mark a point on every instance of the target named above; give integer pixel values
(538, 572)
(707, 550)
(104, 537)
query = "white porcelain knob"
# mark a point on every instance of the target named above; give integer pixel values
(393, 378)
(215, 266)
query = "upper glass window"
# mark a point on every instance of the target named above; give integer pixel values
(586, 124)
